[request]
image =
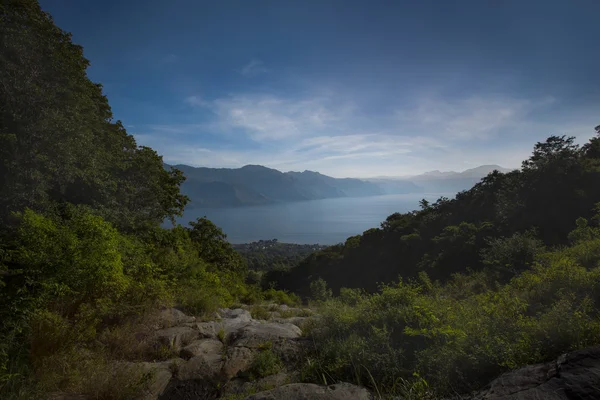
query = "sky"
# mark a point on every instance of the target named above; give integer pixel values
(347, 88)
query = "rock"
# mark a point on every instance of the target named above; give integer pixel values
(172, 317)
(205, 364)
(257, 334)
(310, 391)
(239, 386)
(67, 396)
(202, 347)
(176, 337)
(160, 373)
(238, 360)
(207, 329)
(274, 314)
(575, 375)
(233, 321)
(190, 390)
(236, 313)
(298, 321)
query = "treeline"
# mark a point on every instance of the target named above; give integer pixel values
(81, 204)
(516, 212)
(266, 255)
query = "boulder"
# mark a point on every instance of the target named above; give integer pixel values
(238, 360)
(236, 313)
(207, 329)
(172, 317)
(298, 321)
(190, 390)
(206, 347)
(574, 375)
(176, 337)
(309, 391)
(254, 335)
(160, 374)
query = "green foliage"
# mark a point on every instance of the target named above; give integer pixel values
(265, 363)
(460, 335)
(81, 248)
(259, 312)
(470, 231)
(58, 141)
(319, 290)
(513, 254)
(267, 255)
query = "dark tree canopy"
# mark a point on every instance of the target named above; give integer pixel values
(556, 185)
(58, 141)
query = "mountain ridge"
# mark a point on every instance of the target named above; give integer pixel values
(254, 184)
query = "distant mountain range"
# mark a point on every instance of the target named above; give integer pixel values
(437, 181)
(255, 185)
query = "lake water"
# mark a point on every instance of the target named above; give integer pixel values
(327, 221)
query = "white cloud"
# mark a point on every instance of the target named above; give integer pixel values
(254, 67)
(331, 134)
(267, 117)
(474, 118)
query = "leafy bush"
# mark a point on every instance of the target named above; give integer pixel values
(265, 363)
(319, 291)
(460, 335)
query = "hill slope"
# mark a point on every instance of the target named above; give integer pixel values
(255, 184)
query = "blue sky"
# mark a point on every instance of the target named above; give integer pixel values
(347, 88)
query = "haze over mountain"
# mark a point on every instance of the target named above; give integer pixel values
(256, 185)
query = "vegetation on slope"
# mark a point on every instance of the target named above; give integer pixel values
(82, 253)
(541, 201)
(266, 255)
(423, 339)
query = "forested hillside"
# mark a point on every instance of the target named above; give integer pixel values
(266, 255)
(520, 210)
(81, 247)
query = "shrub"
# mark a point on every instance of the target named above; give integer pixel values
(458, 336)
(265, 363)
(319, 291)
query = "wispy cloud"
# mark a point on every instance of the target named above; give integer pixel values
(254, 67)
(330, 133)
(266, 117)
(473, 118)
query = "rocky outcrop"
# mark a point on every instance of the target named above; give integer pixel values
(177, 336)
(309, 391)
(217, 356)
(173, 317)
(575, 375)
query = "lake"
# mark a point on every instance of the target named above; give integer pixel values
(327, 221)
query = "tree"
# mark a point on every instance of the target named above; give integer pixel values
(58, 142)
(212, 246)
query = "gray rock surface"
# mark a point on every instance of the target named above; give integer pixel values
(575, 375)
(177, 336)
(173, 317)
(205, 347)
(309, 391)
(255, 335)
(238, 359)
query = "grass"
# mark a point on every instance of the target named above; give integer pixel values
(259, 312)
(265, 363)
(221, 335)
(62, 363)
